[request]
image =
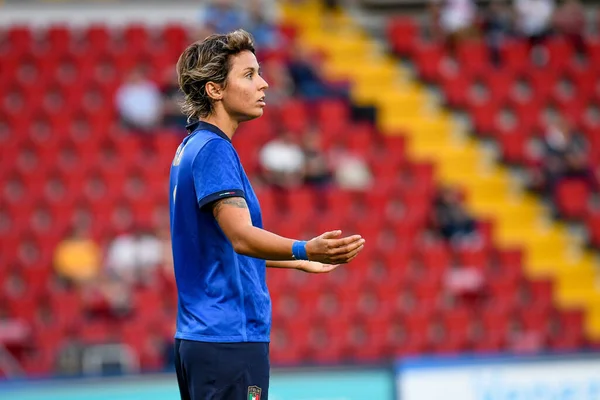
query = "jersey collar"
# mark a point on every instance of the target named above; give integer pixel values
(194, 126)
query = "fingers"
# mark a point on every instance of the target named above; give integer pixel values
(331, 234)
(345, 258)
(329, 267)
(354, 253)
(353, 257)
(344, 241)
(345, 249)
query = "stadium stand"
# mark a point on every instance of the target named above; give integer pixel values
(533, 295)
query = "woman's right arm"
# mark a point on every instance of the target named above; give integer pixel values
(233, 217)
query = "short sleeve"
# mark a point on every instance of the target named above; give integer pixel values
(217, 173)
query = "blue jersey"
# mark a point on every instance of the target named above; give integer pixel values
(222, 295)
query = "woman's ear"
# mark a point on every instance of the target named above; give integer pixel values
(214, 91)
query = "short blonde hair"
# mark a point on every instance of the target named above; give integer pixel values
(206, 61)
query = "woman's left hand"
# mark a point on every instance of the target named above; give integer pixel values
(314, 267)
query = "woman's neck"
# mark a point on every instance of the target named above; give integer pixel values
(223, 122)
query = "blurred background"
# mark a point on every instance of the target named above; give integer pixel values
(461, 138)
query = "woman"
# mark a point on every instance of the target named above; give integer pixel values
(220, 250)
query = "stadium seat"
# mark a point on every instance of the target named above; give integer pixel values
(514, 147)
(569, 334)
(98, 37)
(402, 33)
(473, 57)
(540, 292)
(560, 53)
(515, 56)
(19, 39)
(593, 226)
(59, 39)
(571, 196)
(429, 58)
(455, 88)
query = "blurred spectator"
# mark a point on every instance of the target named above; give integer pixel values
(457, 18)
(434, 25)
(464, 280)
(564, 155)
(109, 297)
(69, 356)
(281, 85)
(451, 219)
(533, 19)
(569, 20)
(282, 161)
(497, 26)
(77, 258)
(221, 16)
(262, 25)
(351, 171)
(316, 166)
(308, 82)
(134, 257)
(139, 103)
(173, 118)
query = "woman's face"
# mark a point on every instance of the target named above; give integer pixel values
(244, 94)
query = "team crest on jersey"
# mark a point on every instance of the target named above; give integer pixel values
(254, 392)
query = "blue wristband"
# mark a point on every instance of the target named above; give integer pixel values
(299, 250)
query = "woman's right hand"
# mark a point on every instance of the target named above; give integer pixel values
(330, 248)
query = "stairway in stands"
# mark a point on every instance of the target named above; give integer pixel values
(404, 109)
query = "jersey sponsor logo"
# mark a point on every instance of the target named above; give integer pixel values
(254, 392)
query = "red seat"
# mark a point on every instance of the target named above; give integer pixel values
(327, 340)
(136, 37)
(148, 306)
(133, 334)
(593, 226)
(410, 339)
(98, 37)
(560, 53)
(287, 348)
(429, 59)
(473, 257)
(294, 116)
(363, 344)
(570, 336)
(473, 57)
(175, 37)
(435, 257)
(332, 117)
(507, 271)
(541, 293)
(515, 55)
(96, 332)
(571, 196)
(401, 34)
(456, 89)
(59, 39)
(514, 147)
(535, 319)
(66, 308)
(20, 39)
(499, 84)
(483, 115)
(448, 341)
